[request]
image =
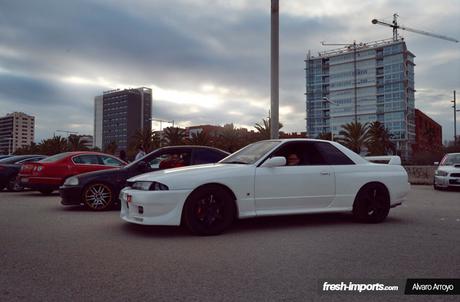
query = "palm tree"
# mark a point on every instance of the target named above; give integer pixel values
(173, 136)
(75, 143)
(325, 136)
(200, 138)
(146, 138)
(230, 139)
(379, 142)
(354, 136)
(54, 145)
(264, 128)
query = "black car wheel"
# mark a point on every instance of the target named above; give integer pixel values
(372, 204)
(98, 196)
(14, 186)
(209, 211)
(2, 187)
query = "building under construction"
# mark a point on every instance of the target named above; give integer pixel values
(362, 82)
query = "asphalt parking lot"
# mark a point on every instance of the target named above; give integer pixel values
(49, 252)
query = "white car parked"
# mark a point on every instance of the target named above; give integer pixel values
(448, 172)
(272, 177)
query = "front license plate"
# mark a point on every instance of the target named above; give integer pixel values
(24, 180)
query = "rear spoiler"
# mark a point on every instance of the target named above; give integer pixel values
(387, 159)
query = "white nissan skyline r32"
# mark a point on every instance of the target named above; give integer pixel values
(258, 181)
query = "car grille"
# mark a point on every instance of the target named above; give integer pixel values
(455, 175)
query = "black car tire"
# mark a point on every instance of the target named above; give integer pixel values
(46, 192)
(2, 187)
(372, 204)
(14, 186)
(209, 210)
(98, 196)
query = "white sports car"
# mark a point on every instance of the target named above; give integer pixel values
(448, 172)
(272, 177)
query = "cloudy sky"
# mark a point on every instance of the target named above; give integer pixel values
(207, 61)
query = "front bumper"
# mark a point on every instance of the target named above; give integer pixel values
(70, 195)
(152, 207)
(446, 181)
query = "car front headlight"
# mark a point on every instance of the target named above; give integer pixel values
(149, 186)
(71, 181)
(441, 173)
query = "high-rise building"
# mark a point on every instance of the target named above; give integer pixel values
(364, 83)
(118, 114)
(17, 130)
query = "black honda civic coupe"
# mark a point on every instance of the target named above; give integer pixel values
(99, 190)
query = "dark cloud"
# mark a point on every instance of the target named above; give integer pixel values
(180, 45)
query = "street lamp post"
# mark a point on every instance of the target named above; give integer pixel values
(455, 118)
(161, 124)
(326, 99)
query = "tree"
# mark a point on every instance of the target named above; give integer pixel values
(354, 136)
(379, 142)
(173, 136)
(33, 148)
(54, 145)
(200, 138)
(325, 136)
(146, 138)
(264, 128)
(230, 139)
(75, 143)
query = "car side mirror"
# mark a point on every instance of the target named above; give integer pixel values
(436, 163)
(276, 161)
(142, 166)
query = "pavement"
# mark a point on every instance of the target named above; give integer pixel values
(49, 252)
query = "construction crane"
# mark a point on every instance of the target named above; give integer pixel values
(395, 27)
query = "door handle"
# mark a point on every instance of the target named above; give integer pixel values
(325, 173)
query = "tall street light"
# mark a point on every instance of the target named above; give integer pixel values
(274, 71)
(455, 118)
(326, 99)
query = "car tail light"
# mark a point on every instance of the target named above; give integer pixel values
(129, 198)
(37, 168)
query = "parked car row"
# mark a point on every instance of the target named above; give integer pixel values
(9, 169)
(94, 179)
(273, 177)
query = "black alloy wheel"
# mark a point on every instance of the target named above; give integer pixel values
(98, 196)
(209, 211)
(14, 186)
(372, 204)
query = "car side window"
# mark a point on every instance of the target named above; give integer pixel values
(170, 159)
(206, 156)
(88, 159)
(333, 155)
(300, 154)
(110, 161)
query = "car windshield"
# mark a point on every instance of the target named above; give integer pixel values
(131, 164)
(251, 153)
(451, 159)
(54, 158)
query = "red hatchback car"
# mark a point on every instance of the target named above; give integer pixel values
(50, 173)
